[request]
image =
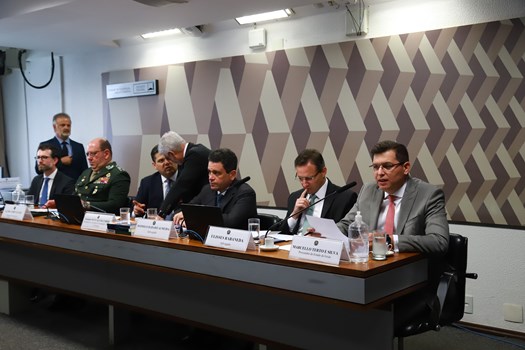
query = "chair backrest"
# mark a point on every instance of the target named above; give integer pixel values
(267, 220)
(456, 263)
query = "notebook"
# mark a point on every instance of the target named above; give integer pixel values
(199, 217)
(70, 208)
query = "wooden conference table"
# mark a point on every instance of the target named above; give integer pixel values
(264, 295)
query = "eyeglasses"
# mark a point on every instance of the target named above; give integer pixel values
(42, 157)
(306, 178)
(384, 166)
(92, 154)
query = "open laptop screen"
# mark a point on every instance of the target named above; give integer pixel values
(198, 218)
(70, 208)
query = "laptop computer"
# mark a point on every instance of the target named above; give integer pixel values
(70, 209)
(199, 218)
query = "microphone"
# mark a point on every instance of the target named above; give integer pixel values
(339, 190)
(240, 182)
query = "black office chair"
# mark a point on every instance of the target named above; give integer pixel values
(268, 220)
(450, 293)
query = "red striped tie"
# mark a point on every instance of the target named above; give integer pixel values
(390, 214)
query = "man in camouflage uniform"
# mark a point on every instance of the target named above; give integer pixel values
(105, 185)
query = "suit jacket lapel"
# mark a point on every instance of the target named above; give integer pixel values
(375, 207)
(406, 205)
(330, 200)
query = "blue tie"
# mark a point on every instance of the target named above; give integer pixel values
(218, 199)
(43, 197)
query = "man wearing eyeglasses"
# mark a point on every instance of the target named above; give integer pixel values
(104, 186)
(418, 220)
(51, 181)
(310, 171)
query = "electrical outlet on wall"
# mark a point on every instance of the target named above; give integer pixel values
(469, 304)
(513, 313)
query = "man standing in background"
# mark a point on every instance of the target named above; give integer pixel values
(71, 153)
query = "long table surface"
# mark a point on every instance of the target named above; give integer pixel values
(172, 276)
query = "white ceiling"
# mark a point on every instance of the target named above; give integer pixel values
(65, 26)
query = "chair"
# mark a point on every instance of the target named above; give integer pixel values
(268, 220)
(450, 293)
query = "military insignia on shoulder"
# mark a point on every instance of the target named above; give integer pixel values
(110, 166)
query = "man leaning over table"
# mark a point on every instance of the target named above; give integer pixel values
(237, 200)
(417, 224)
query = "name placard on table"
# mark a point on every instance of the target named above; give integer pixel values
(322, 250)
(95, 221)
(229, 238)
(157, 229)
(17, 212)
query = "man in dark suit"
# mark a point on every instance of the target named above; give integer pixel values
(412, 213)
(192, 160)
(154, 188)
(237, 200)
(72, 154)
(310, 171)
(47, 159)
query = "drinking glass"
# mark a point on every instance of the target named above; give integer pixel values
(254, 225)
(124, 215)
(151, 213)
(379, 245)
(30, 201)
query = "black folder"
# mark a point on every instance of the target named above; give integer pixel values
(69, 208)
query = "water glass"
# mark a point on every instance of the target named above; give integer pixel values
(151, 213)
(254, 226)
(30, 201)
(124, 215)
(379, 245)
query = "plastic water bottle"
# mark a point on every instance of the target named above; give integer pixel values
(18, 196)
(358, 236)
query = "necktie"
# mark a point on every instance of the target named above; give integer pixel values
(390, 214)
(309, 211)
(218, 199)
(65, 152)
(167, 186)
(43, 197)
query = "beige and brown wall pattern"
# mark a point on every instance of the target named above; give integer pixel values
(455, 97)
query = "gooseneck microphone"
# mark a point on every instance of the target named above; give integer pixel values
(339, 190)
(241, 181)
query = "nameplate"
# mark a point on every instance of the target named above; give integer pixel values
(229, 238)
(95, 221)
(17, 212)
(322, 250)
(157, 229)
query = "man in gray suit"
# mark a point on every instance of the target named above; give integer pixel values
(419, 222)
(420, 219)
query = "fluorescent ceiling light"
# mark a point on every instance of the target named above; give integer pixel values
(267, 16)
(161, 33)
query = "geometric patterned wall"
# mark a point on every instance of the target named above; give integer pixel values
(455, 97)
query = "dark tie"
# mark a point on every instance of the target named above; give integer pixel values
(65, 152)
(168, 183)
(390, 215)
(218, 199)
(43, 197)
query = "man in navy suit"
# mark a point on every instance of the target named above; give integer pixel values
(153, 188)
(192, 160)
(47, 159)
(72, 154)
(236, 199)
(310, 171)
